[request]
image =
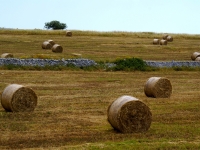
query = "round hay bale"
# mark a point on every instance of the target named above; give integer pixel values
(163, 42)
(18, 98)
(57, 48)
(169, 38)
(197, 59)
(7, 55)
(156, 41)
(195, 55)
(46, 45)
(68, 33)
(51, 42)
(129, 115)
(158, 87)
(165, 37)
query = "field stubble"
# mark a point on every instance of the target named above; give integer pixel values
(99, 46)
(72, 108)
(72, 105)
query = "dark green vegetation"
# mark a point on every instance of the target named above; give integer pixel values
(55, 25)
(130, 64)
(72, 103)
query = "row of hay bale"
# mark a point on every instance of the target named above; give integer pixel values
(195, 56)
(127, 114)
(50, 44)
(165, 39)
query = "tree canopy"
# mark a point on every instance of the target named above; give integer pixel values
(55, 25)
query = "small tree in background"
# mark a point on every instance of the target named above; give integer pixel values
(55, 25)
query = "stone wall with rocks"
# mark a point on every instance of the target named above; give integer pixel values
(87, 62)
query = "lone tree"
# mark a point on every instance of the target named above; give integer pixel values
(55, 25)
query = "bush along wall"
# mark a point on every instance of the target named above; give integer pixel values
(130, 64)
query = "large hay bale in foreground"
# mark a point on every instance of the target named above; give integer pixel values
(18, 98)
(128, 115)
(195, 55)
(158, 87)
(169, 38)
(7, 55)
(156, 41)
(51, 42)
(163, 42)
(57, 48)
(46, 45)
(68, 33)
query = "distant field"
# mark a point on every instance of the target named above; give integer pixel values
(99, 46)
(72, 104)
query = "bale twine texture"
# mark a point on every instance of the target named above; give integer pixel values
(156, 41)
(169, 38)
(195, 55)
(163, 42)
(68, 33)
(46, 45)
(7, 55)
(57, 48)
(51, 42)
(18, 98)
(129, 115)
(158, 87)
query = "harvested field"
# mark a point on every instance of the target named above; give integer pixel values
(72, 108)
(99, 46)
(71, 112)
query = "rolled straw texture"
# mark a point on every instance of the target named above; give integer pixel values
(197, 59)
(57, 48)
(46, 45)
(195, 55)
(7, 55)
(51, 42)
(129, 115)
(18, 98)
(163, 42)
(165, 37)
(169, 38)
(68, 33)
(156, 41)
(158, 87)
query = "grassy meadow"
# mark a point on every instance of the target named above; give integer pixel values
(72, 103)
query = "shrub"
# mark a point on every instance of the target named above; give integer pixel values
(130, 64)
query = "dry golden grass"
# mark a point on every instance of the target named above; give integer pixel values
(99, 46)
(72, 105)
(72, 108)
